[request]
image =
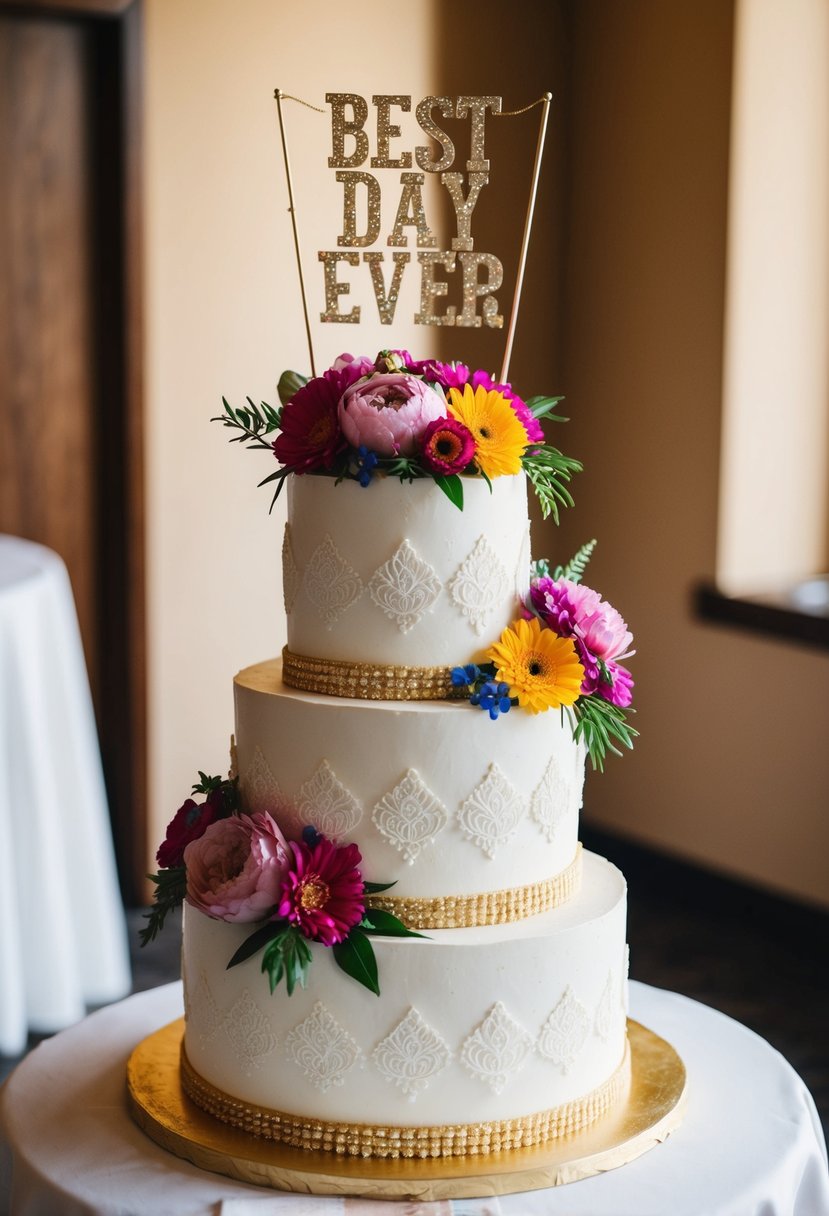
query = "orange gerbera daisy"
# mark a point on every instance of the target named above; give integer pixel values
(500, 439)
(542, 669)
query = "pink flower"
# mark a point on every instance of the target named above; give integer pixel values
(447, 446)
(322, 893)
(574, 611)
(350, 368)
(235, 870)
(389, 413)
(190, 821)
(619, 691)
(310, 435)
(598, 624)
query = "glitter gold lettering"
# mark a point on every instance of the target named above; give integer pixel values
(349, 179)
(386, 131)
(333, 289)
(477, 108)
(473, 290)
(353, 127)
(386, 302)
(431, 289)
(424, 117)
(410, 213)
(464, 206)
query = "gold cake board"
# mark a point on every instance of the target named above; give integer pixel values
(653, 1109)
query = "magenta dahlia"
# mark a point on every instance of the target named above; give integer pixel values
(322, 891)
(574, 611)
(310, 436)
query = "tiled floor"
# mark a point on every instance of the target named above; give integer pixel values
(760, 959)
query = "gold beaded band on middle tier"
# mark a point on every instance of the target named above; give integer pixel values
(486, 907)
(369, 681)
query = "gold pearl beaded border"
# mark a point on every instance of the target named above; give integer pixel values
(485, 908)
(377, 1140)
(369, 681)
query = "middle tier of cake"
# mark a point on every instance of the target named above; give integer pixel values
(475, 821)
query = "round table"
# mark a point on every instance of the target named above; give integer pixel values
(750, 1143)
(63, 943)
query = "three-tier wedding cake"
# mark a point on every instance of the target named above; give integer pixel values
(396, 847)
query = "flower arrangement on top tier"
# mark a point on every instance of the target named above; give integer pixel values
(406, 418)
(565, 652)
(240, 868)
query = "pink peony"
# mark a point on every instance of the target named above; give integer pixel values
(323, 893)
(191, 820)
(574, 611)
(351, 368)
(389, 413)
(235, 870)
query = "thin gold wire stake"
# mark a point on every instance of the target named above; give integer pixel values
(522, 261)
(278, 94)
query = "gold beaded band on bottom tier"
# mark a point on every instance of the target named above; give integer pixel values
(369, 681)
(376, 1140)
(485, 908)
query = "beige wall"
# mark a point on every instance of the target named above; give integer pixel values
(732, 768)
(623, 312)
(224, 317)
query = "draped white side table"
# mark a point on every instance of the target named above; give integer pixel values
(63, 942)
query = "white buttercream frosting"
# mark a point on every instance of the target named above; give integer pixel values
(471, 1024)
(414, 784)
(396, 574)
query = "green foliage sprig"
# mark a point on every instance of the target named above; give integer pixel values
(599, 723)
(548, 470)
(287, 953)
(170, 889)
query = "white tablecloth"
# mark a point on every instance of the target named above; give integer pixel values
(750, 1144)
(63, 939)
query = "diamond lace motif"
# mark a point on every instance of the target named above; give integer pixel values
(331, 584)
(552, 800)
(411, 1055)
(606, 1008)
(490, 814)
(497, 1049)
(410, 816)
(209, 1019)
(322, 1048)
(249, 1032)
(260, 788)
(326, 803)
(405, 587)
(479, 585)
(290, 574)
(563, 1034)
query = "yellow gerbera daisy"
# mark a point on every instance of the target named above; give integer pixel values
(500, 439)
(542, 669)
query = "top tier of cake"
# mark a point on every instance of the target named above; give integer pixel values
(392, 574)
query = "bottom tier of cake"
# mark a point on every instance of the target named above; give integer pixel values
(481, 1040)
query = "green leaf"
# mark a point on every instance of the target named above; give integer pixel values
(452, 487)
(254, 943)
(374, 888)
(543, 407)
(383, 923)
(486, 479)
(170, 889)
(355, 956)
(289, 384)
(577, 564)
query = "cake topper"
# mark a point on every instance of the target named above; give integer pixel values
(356, 163)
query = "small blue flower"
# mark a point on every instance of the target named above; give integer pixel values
(465, 675)
(367, 465)
(311, 836)
(493, 697)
